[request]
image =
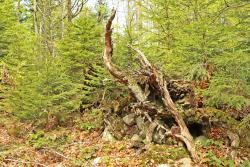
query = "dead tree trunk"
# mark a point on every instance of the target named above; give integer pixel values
(154, 80)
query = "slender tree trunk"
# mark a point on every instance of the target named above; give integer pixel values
(100, 14)
(19, 11)
(138, 20)
(69, 14)
(35, 17)
(62, 19)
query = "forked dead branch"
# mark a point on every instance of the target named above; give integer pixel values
(155, 83)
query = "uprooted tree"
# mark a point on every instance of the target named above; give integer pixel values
(151, 82)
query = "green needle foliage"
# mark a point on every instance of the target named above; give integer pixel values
(7, 20)
(49, 85)
(82, 48)
(182, 37)
(52, 65)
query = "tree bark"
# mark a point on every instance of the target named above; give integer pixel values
(35, 17)
(62, 19)
(69, 14)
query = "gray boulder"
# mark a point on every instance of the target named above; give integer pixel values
(184, 162)
(107, 136)
(201, 139)
(129, 119)
(137, 138)
(163, 165)
(140, 123)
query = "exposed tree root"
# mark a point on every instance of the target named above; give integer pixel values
(153, 84)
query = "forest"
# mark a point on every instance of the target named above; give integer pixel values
(124, 83)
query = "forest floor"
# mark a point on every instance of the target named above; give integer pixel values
(21, 145)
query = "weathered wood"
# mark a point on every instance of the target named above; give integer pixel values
(107, 58)
(155, 80)
(158, 80)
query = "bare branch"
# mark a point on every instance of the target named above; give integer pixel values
(55, 152)
(143, 57)
(79, 7)
(108, 51)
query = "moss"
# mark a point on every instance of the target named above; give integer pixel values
(244, 131)
(223, 117)
(87, 153)
(163, 153)
(107, 160)
(214, 115)
(125, 161)
(107, 149)
(91, 120)
(40, 139)
(117, 126)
